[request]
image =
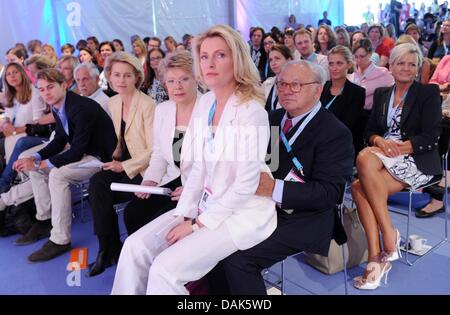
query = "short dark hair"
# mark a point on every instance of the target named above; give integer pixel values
(256, 29)
(94, 39)
(68, 46)
(81, 43)
(363, 43)
(282, 49)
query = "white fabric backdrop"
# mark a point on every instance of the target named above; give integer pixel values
(60, 21)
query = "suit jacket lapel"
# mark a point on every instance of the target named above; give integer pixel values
(227, 120)
(133, 109)
(385, 108)
(409, 102)
(190, 136)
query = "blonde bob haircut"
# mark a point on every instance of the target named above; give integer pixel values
(177, 60)
(402, 50)
(245, 72)
(128, 59)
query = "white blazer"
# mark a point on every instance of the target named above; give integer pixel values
(250, 219)
(162, 168)
(267, 86)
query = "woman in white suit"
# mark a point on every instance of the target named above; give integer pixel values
(218, 212)
(279, 55)
(172, 136)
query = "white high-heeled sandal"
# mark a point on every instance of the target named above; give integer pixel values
(362, 283)
(397, 253)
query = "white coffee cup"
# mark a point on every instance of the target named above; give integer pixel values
(417, 242)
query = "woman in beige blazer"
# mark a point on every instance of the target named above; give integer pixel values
(132, 113)
(170, 164)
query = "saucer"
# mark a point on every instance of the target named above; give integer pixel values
(423, 251)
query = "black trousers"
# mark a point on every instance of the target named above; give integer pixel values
(241, 272)
(139, 212)
(102, 200)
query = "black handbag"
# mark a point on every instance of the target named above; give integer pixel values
(37, 130)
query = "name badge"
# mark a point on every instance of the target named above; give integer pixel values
(203, 204)
(293, 177)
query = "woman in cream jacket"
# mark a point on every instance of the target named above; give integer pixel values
(132, 113)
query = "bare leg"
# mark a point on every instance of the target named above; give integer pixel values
(367, 218)
(377, 185)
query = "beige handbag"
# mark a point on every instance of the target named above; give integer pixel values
(355, 251)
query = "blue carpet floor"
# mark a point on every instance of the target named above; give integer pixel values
(431, 275)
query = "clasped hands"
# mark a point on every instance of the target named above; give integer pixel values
(393, 148)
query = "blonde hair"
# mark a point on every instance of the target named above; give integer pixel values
(10, 92)
(177, 60)
(52, 55)
(401, 50)
(128, 59)
(41, 62)
(245, 72)
(141, 44)
(344, 52)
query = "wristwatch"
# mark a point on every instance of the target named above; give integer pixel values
(195, 226)
(37, 163)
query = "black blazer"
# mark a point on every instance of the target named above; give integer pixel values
(420, 123)
(326, 154)
(348, 106)
(91, 132)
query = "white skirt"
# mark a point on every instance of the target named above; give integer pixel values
(403, 168)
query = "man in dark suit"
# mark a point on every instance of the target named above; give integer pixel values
(259, 55)
(308, 183)
(84, 133)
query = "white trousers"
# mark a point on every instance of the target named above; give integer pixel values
(22, 192)
(144, 269)
(52, 195)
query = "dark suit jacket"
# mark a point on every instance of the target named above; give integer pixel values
(91, 132)
(420, 123)
(326, 152)
(347, 107)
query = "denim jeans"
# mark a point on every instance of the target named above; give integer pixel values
(22, 144)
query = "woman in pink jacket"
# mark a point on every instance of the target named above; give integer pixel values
(441, 74)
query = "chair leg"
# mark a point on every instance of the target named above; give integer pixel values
(343, 252)
(407, 228)
(445, 197)
(282, 278)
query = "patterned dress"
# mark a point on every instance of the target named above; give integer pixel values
(403, 168)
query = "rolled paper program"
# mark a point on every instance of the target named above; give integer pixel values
(141, 189)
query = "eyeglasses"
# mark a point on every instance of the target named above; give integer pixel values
(182, 81)
(269, 43)
(294, 86)
(360, 56)
(156, 58)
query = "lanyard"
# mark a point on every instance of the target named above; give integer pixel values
(334, 98)
(393, 109)
(212, 112)
(288, 144)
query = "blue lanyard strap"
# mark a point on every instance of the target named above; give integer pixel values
(334, 98)
(288, 144)
(212, 112)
